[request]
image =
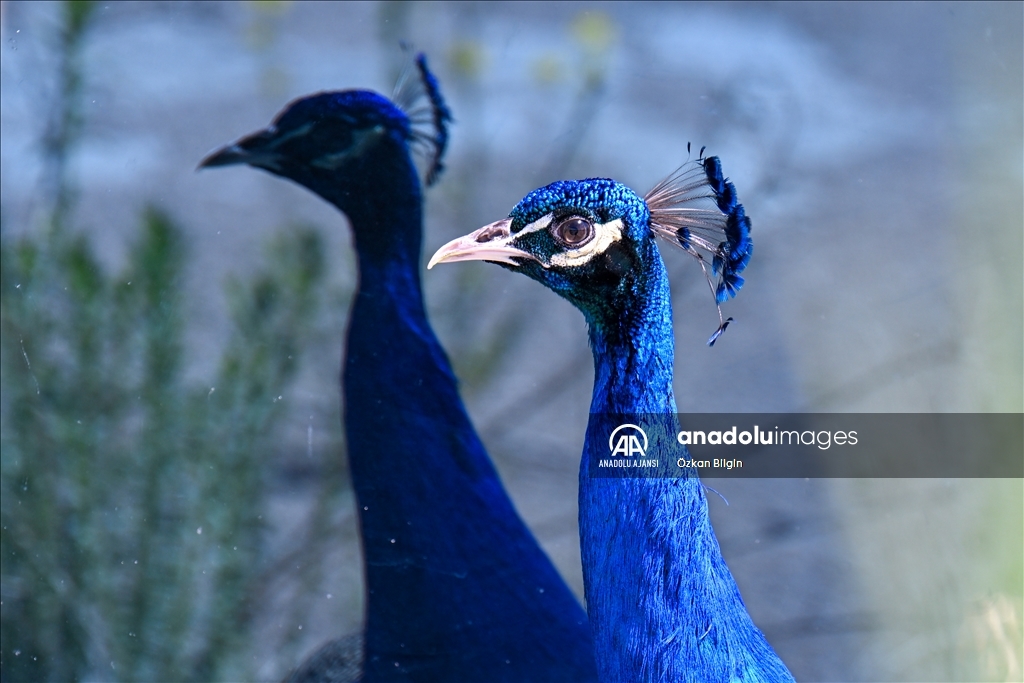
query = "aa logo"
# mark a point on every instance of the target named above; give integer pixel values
(625, 441)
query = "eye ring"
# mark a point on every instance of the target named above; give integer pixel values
(572, 232)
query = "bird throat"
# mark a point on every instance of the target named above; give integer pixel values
(633, 351)
(661, 601)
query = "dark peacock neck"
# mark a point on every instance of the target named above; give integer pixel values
(633, 344)
(458, 589)
(381, 196)
(661, 601)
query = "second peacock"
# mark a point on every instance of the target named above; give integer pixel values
(457, 587)
(662, 603)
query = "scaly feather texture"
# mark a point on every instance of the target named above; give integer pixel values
(457, 587)
(662, 603)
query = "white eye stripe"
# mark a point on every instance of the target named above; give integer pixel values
(361, 139)
(540, 224)
(297, 133)
(605, 235)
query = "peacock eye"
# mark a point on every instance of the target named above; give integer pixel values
(573, 232)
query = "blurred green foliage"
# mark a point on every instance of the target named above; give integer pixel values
(131, 502)
(65, 124)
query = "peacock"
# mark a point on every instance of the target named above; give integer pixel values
(662, 603)
(457, 587)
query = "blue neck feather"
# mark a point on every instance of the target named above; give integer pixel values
(458, 588)
(662, 603)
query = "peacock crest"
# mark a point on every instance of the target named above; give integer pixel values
(696, 208)
(417, 94)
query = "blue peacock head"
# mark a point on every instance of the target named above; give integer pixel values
(340, 144)
(590, 240)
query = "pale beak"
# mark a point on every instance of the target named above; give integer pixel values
(255, 150)
(225, 156)
(489, 243)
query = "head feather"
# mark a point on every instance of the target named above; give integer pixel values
(418, 95)
(696, 208)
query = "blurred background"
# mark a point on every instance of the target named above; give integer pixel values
(175, 502)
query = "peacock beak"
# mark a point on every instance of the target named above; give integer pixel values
(255, 150)
(225, 156)
(489, 243)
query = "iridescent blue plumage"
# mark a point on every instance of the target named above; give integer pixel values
(420, 99)
(734, 253)
(662, 603)
(457, 587)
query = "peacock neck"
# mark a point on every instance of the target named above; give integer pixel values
(458, 589)
(633, 344)
(380, 194)
(387, 228)
(392, 271)
(661, 601)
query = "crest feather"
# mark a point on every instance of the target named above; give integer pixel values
(696, 208)
(418, 95)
